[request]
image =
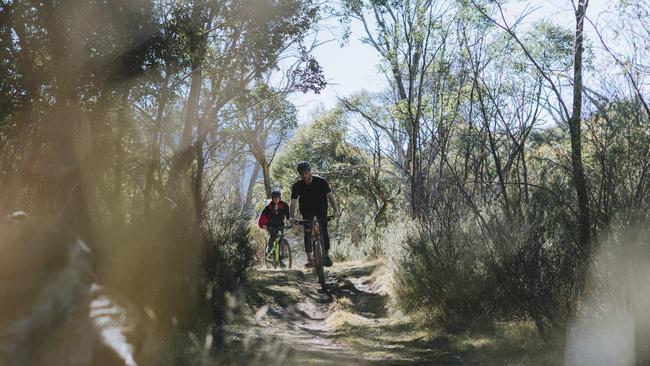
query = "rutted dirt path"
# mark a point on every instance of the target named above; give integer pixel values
(290, 324)
(292, 321)
(287, 320)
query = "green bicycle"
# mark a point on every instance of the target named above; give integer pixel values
(280, 253)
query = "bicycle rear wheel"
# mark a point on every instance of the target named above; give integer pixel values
(285, 253)
(318, 265)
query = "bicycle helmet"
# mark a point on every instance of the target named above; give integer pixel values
(303, 166)
(276, 193)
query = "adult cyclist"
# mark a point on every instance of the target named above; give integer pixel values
(312, 193)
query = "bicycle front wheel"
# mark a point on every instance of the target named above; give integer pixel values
(285, 253)
(276, 255)
(318, 265)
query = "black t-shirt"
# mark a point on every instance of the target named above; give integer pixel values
(312, 197)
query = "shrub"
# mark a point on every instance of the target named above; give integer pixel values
(229, 255)
(465, 272)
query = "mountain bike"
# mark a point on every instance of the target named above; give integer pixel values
(317, 247)
(280, 253)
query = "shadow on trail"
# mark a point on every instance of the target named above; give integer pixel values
(365, 302)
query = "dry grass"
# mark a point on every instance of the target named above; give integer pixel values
(339, 320)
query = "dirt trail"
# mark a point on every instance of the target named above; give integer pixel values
(288, 320)
(291, 321)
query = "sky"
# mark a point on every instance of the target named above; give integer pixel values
(348, 69)
(353, 67)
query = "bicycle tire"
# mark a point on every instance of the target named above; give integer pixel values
(276, 254)
(273, 261)
(318, 265)
(285, 250)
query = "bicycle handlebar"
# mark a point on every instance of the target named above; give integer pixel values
(309, 222)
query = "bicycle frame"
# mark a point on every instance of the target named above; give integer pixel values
(315, 226)
(315, 230)
(276, 245)
(317, 247)
(280, 251)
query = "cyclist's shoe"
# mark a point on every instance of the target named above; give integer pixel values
(282, 265)
(327, 262)
(309, 264)
(269, 256)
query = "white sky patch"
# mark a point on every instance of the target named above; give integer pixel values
(348, 69)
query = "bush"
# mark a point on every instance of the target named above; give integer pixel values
(463, 272)
(449, 286)
(230, 254)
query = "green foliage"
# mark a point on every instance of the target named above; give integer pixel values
(357, 186)
(466, 275)
(323, 145)
(94, 106)
(228, 258)
(551, 45)
(616, 147)
(496, 237)
(442, 270)
(463, 271)
(263, 108)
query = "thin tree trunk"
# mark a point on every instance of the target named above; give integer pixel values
(117, 209)
(185, 153)
(584, 237)
(154, 155)
(266, 174)
(197, 184)
(248, 203)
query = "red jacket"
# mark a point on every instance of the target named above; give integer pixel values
(272, 216)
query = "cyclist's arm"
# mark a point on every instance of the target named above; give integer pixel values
(335, 206)
(292, 208)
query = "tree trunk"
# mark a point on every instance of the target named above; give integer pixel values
(66, 184)
(154, 156)
(259, 153)
(248, 203)
(185, 152)
(266, 174)
(417, 195)
(117, 209)
(197, 184)
(584, 237)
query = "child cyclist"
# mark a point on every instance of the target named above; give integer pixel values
(272, 220)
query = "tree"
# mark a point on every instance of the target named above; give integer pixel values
(264, 120)
(111, 125)
(571, 115)
(408, 37)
